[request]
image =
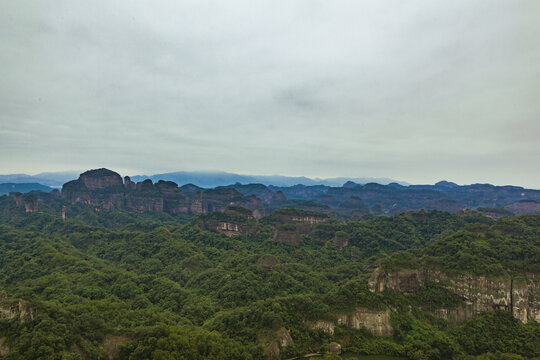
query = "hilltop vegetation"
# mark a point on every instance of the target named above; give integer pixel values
(157, 286)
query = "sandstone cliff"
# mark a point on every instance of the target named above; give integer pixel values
(376, 322)
(30, 202)
(274, 343)
(233, 221)
(104, 189)
(518, 296)
(291, 224)
(20, 309)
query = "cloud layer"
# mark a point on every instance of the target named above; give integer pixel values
(417, 91)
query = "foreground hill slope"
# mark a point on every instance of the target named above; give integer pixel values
(150, 285)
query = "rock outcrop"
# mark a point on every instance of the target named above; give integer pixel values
(31, 203)
(274, 343)
(518, 296)
(334, 348)
(101, 179)
(291, 224)
(327, 326)
(104, 189)
(376, 322)
(18, 199)
(233, 221)
(16, 310)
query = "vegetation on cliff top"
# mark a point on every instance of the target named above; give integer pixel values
(172, 289)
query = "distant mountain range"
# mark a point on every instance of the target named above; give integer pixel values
(52, 179)
(214, 179)
(7, 188)
(106, 189)
(207, 179)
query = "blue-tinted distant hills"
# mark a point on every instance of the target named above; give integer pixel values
(205, 179)
(7, 188)
(347, 197)
(213, 179)
(51, 179)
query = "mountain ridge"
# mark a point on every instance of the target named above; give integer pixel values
(208, 179)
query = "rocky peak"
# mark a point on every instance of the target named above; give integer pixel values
(350, 185)
(18, 198)
(104, 189)
(100, 179)
(31, 202)
(128, 184)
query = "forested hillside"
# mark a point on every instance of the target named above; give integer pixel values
(115, 284)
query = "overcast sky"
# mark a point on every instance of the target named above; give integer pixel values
(417, 91)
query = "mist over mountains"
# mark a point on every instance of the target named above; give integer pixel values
(206, 179)
(213, 179)
(52, 179)
(176, 193)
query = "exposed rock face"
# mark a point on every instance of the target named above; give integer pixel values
(326, 326)
(174, 202)
(31, 203)
(406, 281)
(284, 338)
(128, 184)
(104, 189)
(18, 199)
(480, 294)
(272, 351)
(376, 322)
(291, 224)
(305, 220)
(19, 310)
(100, 179)
(274, 343)
(233, 221)
(334, 348)
(232, 229)
(196, 206)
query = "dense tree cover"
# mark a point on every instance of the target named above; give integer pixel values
(498, 331)
(172, 290)
(511, 245)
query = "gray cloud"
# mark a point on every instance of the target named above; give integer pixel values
(418, 90)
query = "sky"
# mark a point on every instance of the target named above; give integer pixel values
(417, 91)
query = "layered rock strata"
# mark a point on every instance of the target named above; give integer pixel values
(518, 296)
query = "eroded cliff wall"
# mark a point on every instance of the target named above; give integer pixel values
(518, 296)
